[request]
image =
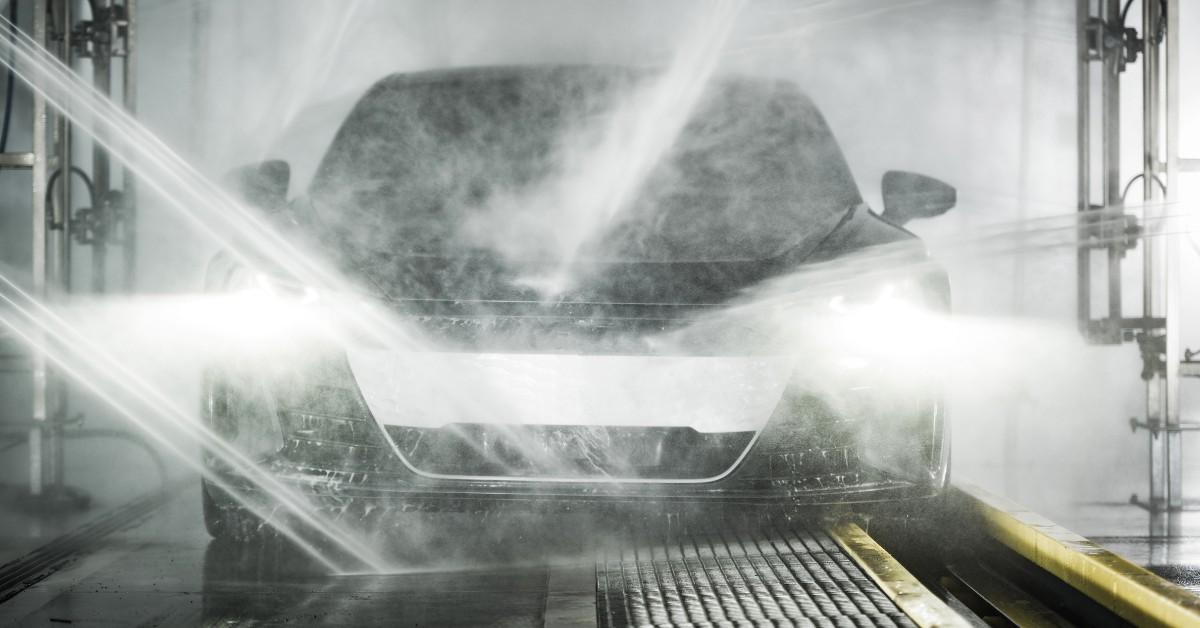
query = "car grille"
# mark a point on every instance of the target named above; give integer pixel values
(570, 452)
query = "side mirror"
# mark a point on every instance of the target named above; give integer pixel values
(908, 195)
(263, 185)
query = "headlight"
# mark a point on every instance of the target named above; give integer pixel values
(891, 294)
(293, 396)
(265, 286)
(863, 407)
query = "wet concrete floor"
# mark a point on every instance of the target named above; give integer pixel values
(167, 571)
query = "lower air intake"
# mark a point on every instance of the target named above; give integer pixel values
(570, 452)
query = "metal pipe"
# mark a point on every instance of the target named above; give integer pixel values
(102, 80)
(37, 480)
(61, 159)
(58, 272)
(129, 183)
(1157, 393)
(1111, 110)
(198, 81)
(1172, 281)
(1111, 159)
(64, 139)
(1149, 149)
(1083, 132)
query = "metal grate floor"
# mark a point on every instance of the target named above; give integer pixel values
(766, 577)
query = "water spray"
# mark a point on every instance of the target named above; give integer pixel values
(145, 406)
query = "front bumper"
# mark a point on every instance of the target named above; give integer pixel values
(341, 490)
(805, 458)
(307, 421)
(808, 455)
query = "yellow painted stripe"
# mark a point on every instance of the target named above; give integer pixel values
(922, 606)
(1126, 589)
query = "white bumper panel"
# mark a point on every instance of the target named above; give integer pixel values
(434, 389)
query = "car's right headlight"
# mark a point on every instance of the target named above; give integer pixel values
(862, 408)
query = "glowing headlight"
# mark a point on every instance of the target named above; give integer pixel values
(261, 285)
(264, 307)
(899, 294)
(897, 322)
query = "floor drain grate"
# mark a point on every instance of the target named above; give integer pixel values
(758, 577)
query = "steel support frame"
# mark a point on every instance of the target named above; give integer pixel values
(50, 264)
(111, 210)
(52, 150)
(102, 81)
(128, 182)
(1101, 223)
(42, 453)
(1160, 281)
(1100, 39)
(1172, 283)
(57, 224)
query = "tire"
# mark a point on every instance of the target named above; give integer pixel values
(224, 518)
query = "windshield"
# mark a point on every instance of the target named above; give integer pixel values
(449, 164)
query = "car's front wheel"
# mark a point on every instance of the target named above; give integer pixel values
(224, 518)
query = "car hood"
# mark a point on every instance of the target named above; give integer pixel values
(429, 185)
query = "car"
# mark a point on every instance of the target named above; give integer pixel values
(597, 393)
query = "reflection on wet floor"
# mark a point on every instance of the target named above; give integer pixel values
(461, 570)
(167, 572)
(510, 597)
(472, 570)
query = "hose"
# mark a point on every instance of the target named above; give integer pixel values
(9, 86)
(87, 182)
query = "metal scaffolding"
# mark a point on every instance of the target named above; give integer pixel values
(1107, 44)
(107, 35)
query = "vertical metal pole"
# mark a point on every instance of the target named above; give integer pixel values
(1111, 111)
(102, 80)
(198, 82)
(57, 245)
(59, 160)
(1172, 281)
(1111, 147)
(66, 145)
(1012, 427)
(129, 183)
(1113, 203)
(1156, 393)
(1110, 165)
(1083, 134)
(37, 481)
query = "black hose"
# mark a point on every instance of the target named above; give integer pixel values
(9, 85)
(87, 182)
(1125, 12)
(1162, 4)
(1162, 186)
